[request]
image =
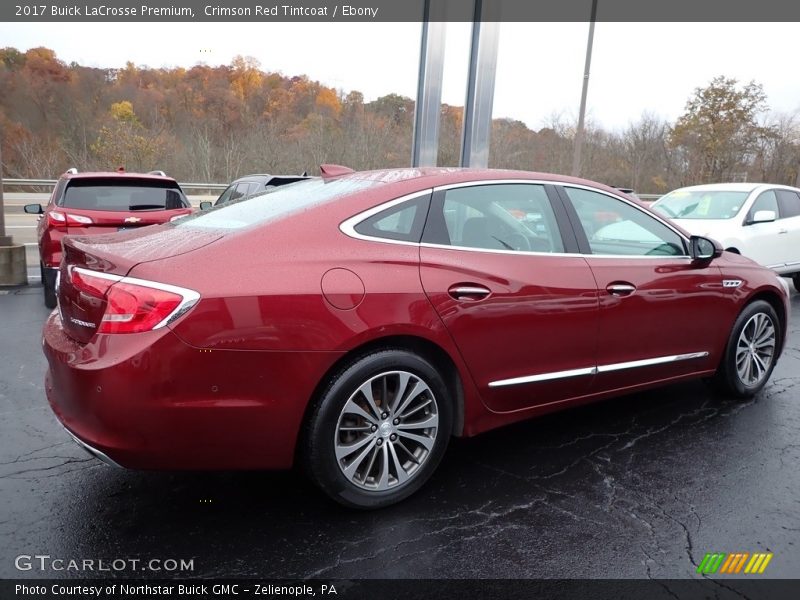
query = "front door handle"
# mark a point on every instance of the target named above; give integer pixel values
(468, 291)
(783, 231)
(620, 289)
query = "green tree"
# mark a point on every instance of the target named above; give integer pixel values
(719, 131)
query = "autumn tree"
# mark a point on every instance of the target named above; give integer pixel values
(125, 141)
(719, 130)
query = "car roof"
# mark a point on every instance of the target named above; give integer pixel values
(113, 174)
(731, 187)
(438, 176)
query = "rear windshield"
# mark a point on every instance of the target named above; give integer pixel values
(275, 204)
(123, 195)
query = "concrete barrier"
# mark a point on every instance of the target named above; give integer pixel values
(13, 270)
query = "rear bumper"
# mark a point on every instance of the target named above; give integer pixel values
(150, 401)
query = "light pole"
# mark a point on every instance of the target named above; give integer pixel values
(576, 158)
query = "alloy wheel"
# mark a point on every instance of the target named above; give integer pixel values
(755, 349)
(386, 431)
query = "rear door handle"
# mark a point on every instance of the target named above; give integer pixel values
(783, 231)
(468, 291)
(620, 289)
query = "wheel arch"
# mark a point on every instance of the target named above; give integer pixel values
(774, 300)
(421, 346)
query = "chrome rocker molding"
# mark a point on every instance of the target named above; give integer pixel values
(93, 451)
(647, 362)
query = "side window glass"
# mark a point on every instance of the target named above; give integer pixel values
(58, 192)
(226, 195)
(766, 201)
(403, 222)
(240, 191)
(618, 228)
(788, 204)
(514, 216)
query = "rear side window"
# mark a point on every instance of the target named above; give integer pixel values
(403, 222)
(788, 203)
(122, 195)
(516, 216)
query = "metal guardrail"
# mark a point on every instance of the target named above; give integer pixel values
(52, 183)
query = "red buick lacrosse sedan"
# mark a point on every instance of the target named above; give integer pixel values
(354, 323)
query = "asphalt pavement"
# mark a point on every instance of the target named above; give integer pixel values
(642, 486)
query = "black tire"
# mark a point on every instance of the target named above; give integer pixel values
(49, 286)
(728, 379)
(323, 437)
(796, 281)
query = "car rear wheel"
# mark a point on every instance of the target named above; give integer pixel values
(380, 429)
(796, 281)
(751, 351)
(48, 286)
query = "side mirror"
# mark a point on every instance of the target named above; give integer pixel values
(33, 209)
(205, 205)
(704, 249)
(764, 216)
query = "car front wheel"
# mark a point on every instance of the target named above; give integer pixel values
(751, 351)
(379, 430)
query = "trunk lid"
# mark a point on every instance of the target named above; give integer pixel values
(111, 257)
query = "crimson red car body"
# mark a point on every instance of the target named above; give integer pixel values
(287, 299)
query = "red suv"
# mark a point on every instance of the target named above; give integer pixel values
(90, 203)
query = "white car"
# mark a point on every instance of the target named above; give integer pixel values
(758, 220)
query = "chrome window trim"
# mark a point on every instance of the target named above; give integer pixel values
(348, 226)
(647, 362)
(189, 297)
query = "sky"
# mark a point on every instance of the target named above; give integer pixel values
(636, 67)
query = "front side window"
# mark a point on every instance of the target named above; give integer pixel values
(615, 227)
(514, 216)
(765, 201)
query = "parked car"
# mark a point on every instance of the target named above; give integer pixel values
(94, 203)
(354, 323)
(760, 221)
(251, 185)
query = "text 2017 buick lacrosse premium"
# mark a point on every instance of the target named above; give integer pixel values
(353, 323)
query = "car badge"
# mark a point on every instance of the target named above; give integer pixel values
(132, 220)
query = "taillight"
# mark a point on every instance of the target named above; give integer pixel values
(80, 219)
(133, 305)
(59, 219)
(133, 308)
(56, 219)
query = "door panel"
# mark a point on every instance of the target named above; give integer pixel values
(525, 321)
(764, 242)
(659, 312)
